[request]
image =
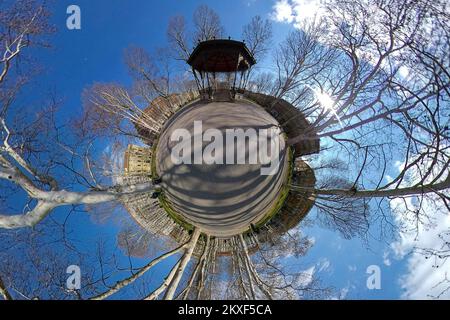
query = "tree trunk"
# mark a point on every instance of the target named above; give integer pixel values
(247, 267)
(49, 200)
(200, 264)
(238, 267)
(155, 294)
(120, 284)
(261, 285)
(183, 263)
(3, 292)
(205, 266)
(399, 192)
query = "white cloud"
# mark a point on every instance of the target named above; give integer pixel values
(423, 275)
(386, 260)
(306, 278)
(296, 280)
(323, 265)
(403, 71)
(282, 11)
(344, 292)
(296, 11)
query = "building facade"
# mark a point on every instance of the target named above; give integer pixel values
(137, 161)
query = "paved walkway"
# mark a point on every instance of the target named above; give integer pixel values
(222, 200)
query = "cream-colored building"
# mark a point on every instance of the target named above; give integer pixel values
(138, 161)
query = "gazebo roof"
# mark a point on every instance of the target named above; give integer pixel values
(221, 55)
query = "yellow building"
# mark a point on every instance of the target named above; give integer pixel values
(137, 161)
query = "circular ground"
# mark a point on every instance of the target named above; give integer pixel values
(221, 199)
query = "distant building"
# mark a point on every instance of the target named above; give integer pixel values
(297, 204)
(221, 69)
(137, 161)
(160, 110)
(148, 213)
(291, 120)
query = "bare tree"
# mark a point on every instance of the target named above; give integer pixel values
(375, 93)
(101, 269)
(207, 25)
(257, 35)
(154, 70)
(20, 24)
(299, 57)
(178, 38)
(167, 284)
(136, 241)
(4, 292)
(439, 256)
(263, 275)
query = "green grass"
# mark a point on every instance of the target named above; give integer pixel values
(164, 202)
(153, 160)
(283, 194)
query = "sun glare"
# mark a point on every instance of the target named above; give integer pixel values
(325, 100)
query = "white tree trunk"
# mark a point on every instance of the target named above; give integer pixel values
(155, 294)
(3, 292)
(184, 261)
(398, 192)
(205, 266)
(201, 263)
(49, 200)
(120, 284)
(247, 267)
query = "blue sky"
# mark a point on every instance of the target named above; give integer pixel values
(79, 58)
(94, 53)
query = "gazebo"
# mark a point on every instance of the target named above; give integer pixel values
(221, 68)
